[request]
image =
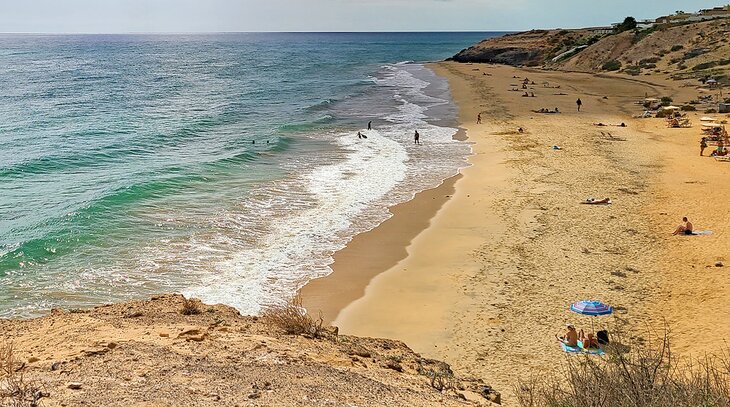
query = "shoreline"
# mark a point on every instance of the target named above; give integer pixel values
(354, 267)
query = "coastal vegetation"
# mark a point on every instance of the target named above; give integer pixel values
(648, 375)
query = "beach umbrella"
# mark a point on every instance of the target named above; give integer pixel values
(592, 308)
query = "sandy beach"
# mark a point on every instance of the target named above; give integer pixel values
(484, 275)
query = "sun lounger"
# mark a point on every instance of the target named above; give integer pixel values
(725, 158)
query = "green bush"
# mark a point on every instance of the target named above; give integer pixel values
(666, 101)
(633, 70)
(651, 60)
(612, 65)
(705, 65)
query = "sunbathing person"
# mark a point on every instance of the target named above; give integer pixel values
(570, 338)
(685, 228)
(594, 201)
(588, 341)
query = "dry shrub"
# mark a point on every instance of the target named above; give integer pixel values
(441, 379)
(646, 376)
(191, 306)
(293, 319)
(15, 389)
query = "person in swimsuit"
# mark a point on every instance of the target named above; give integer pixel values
(570, 338)
(685, 228)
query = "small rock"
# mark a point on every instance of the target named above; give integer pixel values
(74, 385)
(719, 264)
(55, 366)
(33, 359)
(197, 338)
(254, 395)
(164, 334)
(94, 352)
(111, 345)
(392, 364)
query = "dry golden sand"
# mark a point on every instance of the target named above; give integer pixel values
(487, 284)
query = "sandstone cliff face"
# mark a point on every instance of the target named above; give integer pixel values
(531, 48)
(685, 51)
(147, 353)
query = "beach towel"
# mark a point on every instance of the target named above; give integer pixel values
(593, 201)
(570, 349)
(579, 349)
(591, 351)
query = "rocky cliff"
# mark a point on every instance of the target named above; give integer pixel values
(684, 51)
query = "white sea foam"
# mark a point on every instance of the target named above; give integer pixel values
(305, 217)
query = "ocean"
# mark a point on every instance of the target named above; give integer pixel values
(222, 166)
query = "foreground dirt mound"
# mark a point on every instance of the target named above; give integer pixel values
(147, 353)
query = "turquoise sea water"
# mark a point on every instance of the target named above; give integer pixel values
(224, 166)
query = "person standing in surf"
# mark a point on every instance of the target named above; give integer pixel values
(370, 125)
(479, 118)
(417, 138)
(579, 103)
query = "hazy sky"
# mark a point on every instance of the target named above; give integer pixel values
(110, 16)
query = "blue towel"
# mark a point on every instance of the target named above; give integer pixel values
(580, 349)
(570, 349)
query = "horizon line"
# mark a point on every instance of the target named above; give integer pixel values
(245, 32)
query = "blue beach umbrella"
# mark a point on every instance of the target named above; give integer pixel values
(592, 308)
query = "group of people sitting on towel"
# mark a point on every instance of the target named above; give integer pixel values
(575, 338)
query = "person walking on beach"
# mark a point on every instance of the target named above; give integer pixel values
(479, 118)
(417, 138)
(703, 145)
(370, 125)
(579, 103)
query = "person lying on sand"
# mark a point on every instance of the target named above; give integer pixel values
(599, 124)
(594, 201)
(685, 228)
(588, 341)
(570, 338)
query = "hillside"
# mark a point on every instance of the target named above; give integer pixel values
(690, 50)
(147, 353)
